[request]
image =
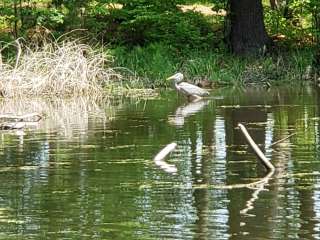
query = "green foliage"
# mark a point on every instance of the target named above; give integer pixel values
(136, 24)
(155, 38)
(295, 19)
(314, 7)
(150, 66)
(50, 18)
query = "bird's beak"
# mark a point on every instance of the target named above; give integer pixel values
(170, 78)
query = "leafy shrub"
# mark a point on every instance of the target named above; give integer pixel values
(145, 25)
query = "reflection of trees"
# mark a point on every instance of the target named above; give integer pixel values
(100, 175)
(306, 190)
(38, 182)
(212, 150)
(234, 137)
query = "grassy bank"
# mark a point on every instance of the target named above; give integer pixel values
(150, 66)
(73, 68)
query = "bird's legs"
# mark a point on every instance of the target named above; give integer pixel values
(194, 98)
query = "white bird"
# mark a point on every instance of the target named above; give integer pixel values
(193, 92)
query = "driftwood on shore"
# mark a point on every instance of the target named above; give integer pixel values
(12, 121)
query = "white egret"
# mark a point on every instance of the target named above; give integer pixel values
(192, 92)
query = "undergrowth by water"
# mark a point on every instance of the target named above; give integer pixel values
(71, 68)
(151, 65)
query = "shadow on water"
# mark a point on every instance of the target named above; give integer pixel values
(87, 170)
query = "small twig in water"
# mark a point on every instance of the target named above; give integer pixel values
(283, 139)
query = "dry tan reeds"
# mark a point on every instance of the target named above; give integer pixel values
(63, 69)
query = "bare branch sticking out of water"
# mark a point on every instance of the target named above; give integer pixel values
(256, 149)
(266, 163)
(261, 156)
(159, 158)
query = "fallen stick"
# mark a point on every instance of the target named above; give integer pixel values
(12, 125)
(281, 140)
(256, 149)
(22, 117)
(17, 125)
(263, 181)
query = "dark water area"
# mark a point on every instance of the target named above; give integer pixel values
(89, 172)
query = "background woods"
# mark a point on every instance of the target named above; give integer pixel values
(146, 21)
(168, 31)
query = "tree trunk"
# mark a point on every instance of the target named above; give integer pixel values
(247, 31)
(16, 17)
(274, 4)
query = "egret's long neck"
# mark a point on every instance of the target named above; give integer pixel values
(177, 86)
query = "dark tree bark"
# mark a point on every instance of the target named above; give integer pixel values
(274, 4)
(247, 31)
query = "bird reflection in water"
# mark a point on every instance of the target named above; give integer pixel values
(185, 111)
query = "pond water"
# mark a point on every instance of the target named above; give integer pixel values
(88, 172)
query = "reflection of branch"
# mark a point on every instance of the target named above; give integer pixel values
(159, 158)
(266, 163)
(263, 159)
(250, 202)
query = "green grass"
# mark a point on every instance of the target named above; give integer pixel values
(149, 66)
(71, 68)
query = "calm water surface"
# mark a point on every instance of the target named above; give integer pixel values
(88, 172)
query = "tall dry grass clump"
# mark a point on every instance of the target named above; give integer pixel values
(61, 69)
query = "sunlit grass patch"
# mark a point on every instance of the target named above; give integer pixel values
(61, 69)
(205, 9)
